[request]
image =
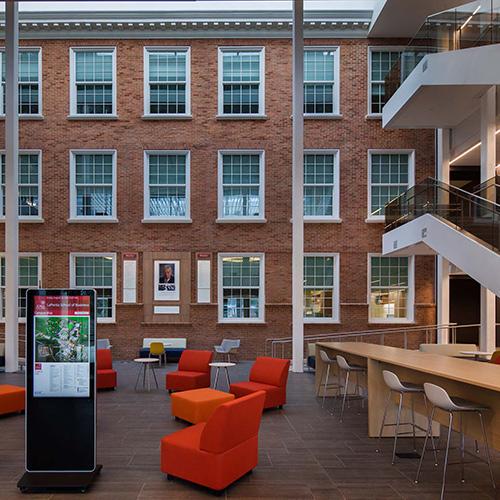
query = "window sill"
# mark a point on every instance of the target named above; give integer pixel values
(93, 220)
(242, 117)
(167, 117)
(333, 116)
(107, 321)
(322, 220)
(27, 117)
(167, 221)
(248, 220)
(391, 322)
(92, 117)
(243, 323)
(373, 220)
(27, 220)
(321, 322)
(373, 116)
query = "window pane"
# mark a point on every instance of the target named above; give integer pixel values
(319, 80)
(318, 287)
(381, 64)
(319, 171)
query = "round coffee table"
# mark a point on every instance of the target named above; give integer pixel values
(219, 366)
(146, 368)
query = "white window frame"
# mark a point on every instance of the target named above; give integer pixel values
(72, 78)
(72, 277)
(262, 182)
(28, 218)
(73, 217)
(336, 289)
(335, 217)
(162, 48)
(262, 84)
(262, 288)
(410, 309)
(371, 49)
(25, 254)
(40, 93)
(411, 176)
(336, 82)
(165, 152)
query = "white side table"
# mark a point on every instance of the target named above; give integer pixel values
(146, 368)
(219, 366)
(477, 354)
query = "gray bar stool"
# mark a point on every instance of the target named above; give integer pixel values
(401, 388)
(440, 399)
(329, 362)
(345, 366)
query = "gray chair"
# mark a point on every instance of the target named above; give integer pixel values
(328, 363)
(227, 347)
(402, 388)
(440, 399)
(348, 369)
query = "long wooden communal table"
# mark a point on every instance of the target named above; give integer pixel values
(475, 381)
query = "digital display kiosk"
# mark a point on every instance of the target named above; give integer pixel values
(60, 389)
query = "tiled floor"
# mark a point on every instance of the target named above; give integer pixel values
(304, 452)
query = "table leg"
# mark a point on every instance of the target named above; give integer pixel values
(216, 377)
(156, 380)
(144, 376)
(138, 377)
(148, 366)
(227, 378)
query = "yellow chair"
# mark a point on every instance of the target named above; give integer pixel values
(495, 357)
(158, 349)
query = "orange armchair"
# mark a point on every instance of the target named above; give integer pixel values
(216, 453)
(193, 371)
(269, 375)
(106, 376)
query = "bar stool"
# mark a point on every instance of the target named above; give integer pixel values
(329, 362)
(345, 366)
(440, 399)
(401, 388)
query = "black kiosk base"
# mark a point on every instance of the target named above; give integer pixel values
(56, 482)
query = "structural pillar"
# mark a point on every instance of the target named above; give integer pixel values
(11, 186)
(297, 188)
(487, 334)
(442, 265)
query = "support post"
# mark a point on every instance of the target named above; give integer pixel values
(11, 186)
(442, 265)
(487, 334)
(297, 188)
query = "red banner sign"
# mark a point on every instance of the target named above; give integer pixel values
(61, 306)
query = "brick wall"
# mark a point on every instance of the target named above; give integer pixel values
(204, 135)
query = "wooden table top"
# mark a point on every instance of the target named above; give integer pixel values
(485, 375)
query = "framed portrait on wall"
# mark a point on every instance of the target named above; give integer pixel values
(166, 279)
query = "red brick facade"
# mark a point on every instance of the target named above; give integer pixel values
(204, 135)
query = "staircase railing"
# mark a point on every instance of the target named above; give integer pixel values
(466, 211)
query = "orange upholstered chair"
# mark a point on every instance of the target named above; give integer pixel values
(106, 376)
(220, 451)
(495, 358)
(11, 399)
(193, 371)
(269, 375)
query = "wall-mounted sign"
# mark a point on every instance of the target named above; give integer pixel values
(166, 280)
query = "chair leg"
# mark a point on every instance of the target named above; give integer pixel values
(445, 466)
(429, 432)
(432, 437)
(382, 425)
(488, 458)
(398, 420)
(325, 386)
(345, 395)
(462, 450)
(413, 423)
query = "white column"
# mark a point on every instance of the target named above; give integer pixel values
(297, 188)
(11, 188)
(487, 332)
(442, 265)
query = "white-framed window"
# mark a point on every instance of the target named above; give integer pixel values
(390, 173)
(241, 185)
(93, 81)
(98, 271)
(380, 62)
(166, 185)
(30, 81)
(321, 81)
(321, 288)
(241, 81)
(29, 276)
(29, 185)
(93, 184)
(241, 288)
(167, 80)
(391, 289)
(321, 184)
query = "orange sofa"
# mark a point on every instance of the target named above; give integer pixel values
(12, 399)
(106, 376)
(216, 453)
(269, 375)
(193, 371)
